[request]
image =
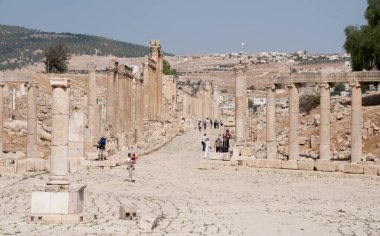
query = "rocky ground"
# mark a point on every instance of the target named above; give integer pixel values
(202, 202)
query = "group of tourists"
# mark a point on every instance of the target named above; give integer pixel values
(221, 144)
(209, 123)
(131, 161)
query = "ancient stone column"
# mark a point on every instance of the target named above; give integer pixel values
(91, 103)
(31, 145)
(120, 121)
(155, 57)
(146, 88)
(110, 104)
(1, 117)
(271, 122)
(240, 99)
(139, 108)
(293, 143)
(159, 86)
(324, 132)
(59, 159)
(356, 123)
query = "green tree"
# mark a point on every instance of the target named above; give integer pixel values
(309, 102)
(339, 87)
(363, 43)
(167, 69)
(57, 56)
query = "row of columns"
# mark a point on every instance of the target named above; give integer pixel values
(133, 99)
(324, 134)
(202, 105)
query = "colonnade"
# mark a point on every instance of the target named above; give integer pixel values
(203, 104)
(134, 98)
(354, 79)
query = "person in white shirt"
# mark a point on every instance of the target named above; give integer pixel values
(208, 147)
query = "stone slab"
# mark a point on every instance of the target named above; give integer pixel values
(371, 169)
(55, 218)
(207, 164)
(325, 166)
(306, 165)
(354, 168)
(216, 156)
(290, 165)
(264, 163)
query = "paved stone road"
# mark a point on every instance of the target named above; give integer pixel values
(202, 202)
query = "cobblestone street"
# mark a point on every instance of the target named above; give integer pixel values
(205, 202)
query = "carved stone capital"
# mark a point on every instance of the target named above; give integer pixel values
(355, 84)
(91, 67)
(59, 83)
(270, 86)
(112, 66)
(32, 84)
(324, 85)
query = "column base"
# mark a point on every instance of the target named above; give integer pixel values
(55, 219)
(58, 180)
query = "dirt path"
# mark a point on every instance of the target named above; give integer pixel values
(201, 202)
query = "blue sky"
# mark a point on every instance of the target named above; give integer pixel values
(197, 26)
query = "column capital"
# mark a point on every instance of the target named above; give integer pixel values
(32, 84)
(355, 84)
(270, 86)
(112, 66)
(324, 85)
(2, 84)
(59, 82)
(242, 66)
(91, 67)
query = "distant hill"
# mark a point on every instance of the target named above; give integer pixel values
(21, 46)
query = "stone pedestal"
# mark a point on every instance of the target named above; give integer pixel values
(356, 123)
(56, 205)
(31, 146)
(293, 122)
(271, 122)
(324, 133)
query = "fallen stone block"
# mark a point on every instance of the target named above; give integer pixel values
(306, 165)
(246, 151)
(30, 164)
(128, 212)
(354, 168)
(371, 170)
(290, 165)
(148, 221)
(326, 166)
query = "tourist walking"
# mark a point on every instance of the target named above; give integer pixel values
(203, 142)
(208, 147)
(131, 166)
